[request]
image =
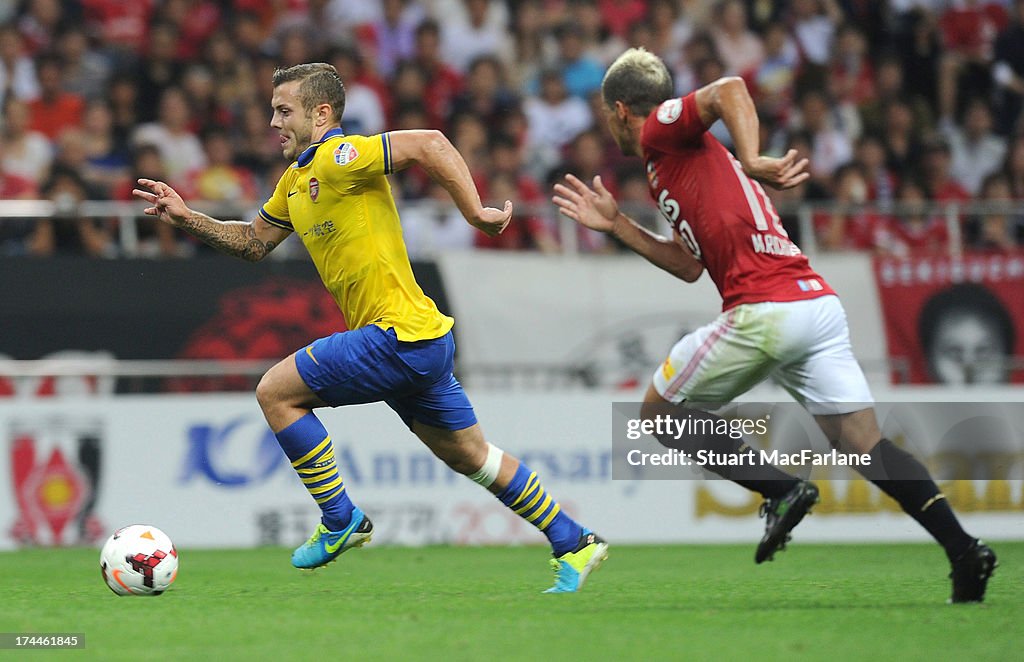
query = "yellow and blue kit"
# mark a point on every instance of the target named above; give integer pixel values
(336, 197)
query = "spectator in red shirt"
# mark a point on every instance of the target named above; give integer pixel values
(39, 24)
(196, 21)
(870, 154)
(530, 232)
(937, 162)
(912, 229)
(15, 233)
(997, 229)
(120, 24)
(620, 14)
(445, 82)
(849, 226)
(506, 158)
(969, 29)
(410, 88)
(507, 181)
(851, 73)
(54, 110)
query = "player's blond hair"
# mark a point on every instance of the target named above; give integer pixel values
(639, 79)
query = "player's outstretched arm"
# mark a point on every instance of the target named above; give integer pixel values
(432, 151)
(250, 241)
(596, 209)
(729, 100)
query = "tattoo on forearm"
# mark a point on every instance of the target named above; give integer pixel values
(231, 237)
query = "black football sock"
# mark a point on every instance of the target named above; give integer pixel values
(714, 438)
(900, 475)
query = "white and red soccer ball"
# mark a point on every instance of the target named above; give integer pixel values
(139, 560)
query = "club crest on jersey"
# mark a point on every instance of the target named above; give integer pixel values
(670, 111)
(314, 188)
(345, 153)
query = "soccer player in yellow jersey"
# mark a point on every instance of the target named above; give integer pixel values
(399, 350)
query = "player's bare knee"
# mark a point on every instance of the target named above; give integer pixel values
(265, 392)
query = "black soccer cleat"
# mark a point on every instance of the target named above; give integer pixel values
(971, 572)
(782, 515)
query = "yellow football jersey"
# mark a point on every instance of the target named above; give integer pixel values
(337, 198)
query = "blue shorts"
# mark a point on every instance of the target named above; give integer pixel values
(371, 364)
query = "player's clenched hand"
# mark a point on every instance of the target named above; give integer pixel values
(491, 221)
(594, 208)
(167, 205)
(782, 173)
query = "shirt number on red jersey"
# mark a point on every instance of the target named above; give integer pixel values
(760, 206)
(670, 210)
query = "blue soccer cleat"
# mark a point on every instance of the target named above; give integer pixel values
(572, 568)
(325, 545)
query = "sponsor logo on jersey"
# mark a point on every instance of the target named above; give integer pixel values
(314, 188)
(670, 111)
(345, 153)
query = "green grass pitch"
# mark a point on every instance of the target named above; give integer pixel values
(833, 602)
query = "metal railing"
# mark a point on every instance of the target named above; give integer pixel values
(108, 375)
(125, 216)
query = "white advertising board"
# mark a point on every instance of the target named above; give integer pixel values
(207, 470)
(612, 319)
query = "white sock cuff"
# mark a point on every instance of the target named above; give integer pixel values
(488, 473)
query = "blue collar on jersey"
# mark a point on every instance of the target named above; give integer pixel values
(307, 154)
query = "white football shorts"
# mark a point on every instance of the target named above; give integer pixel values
(802, 345)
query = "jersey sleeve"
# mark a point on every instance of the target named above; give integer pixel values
(357, 159)
(275, 210)
(674, 126)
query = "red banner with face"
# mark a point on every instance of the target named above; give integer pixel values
(954, 320)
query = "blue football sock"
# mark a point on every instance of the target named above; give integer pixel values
(309, 447)
(525, 496)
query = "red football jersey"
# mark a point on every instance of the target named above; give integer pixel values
(724, 216)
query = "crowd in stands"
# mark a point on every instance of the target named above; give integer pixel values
(896, 102)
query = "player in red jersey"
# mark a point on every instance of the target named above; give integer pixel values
(780, 319)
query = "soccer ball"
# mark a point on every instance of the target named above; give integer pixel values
(139, 560)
